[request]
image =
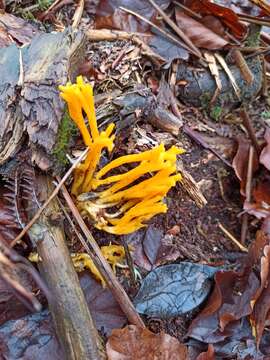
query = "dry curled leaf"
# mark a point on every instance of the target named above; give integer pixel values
(174, 289)
(208, 355)
(15, 30)
(199, 34)
(225, 14)
(133, 343)
(106, 312)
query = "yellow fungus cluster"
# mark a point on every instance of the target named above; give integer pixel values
(119, 202)
(114, 254)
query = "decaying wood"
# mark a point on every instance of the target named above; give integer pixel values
(123, 108)
(197, 86)
(29, 98)
(73, 323)
(190, 186)
(166, 121)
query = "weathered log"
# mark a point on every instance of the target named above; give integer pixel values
(73, 322)
(197, 87)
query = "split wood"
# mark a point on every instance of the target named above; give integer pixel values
(102, 265)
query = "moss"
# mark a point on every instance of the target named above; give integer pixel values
(216, 112)
(66, 131)
(253, 38)
(205, 99)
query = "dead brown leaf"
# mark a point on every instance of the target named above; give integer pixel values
(208, 355)
(15, 30)
(151, 248)
(240, 162)
(260, 207)
(225, 14)
(265, 154)
(105, 311)
(198, 33)
(133, 343)
(262, 304)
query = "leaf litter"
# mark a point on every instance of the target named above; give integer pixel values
(229, 315)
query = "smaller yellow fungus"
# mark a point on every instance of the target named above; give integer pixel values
(114, 254)
(121, 202)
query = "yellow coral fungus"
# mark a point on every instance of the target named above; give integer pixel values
(119, 202)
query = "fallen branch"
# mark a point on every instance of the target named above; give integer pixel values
(72, 319)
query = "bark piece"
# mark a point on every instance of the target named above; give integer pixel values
(29, 97)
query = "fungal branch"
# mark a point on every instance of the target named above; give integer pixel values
(121, 201)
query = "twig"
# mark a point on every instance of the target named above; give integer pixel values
(120, 56)
(201, 142)
(244, 227)
(50, 8)
(178, 31)
(230, 75)
(111, 35)
(54, 193)
(264, 82)
(253, 20)
(163, 32)
(78, 14)
(129, 262)
(251, 132)
(263, 5)
(231, 237)
(102, 265)
(21, 77)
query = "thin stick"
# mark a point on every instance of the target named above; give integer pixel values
(251, 132)
(163, 32)
(78, 14)
(102, 265)
(231, 237)
(178, 31)
(129, 262)
(244, 227)
(54, 193)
